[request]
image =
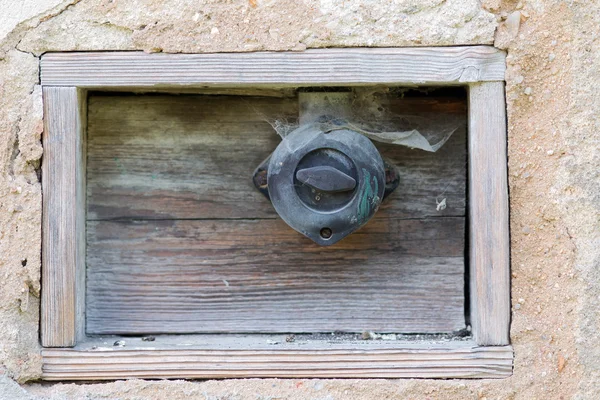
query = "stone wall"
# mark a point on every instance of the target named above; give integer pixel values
(553, 96)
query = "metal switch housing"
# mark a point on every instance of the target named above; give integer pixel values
(325, 183)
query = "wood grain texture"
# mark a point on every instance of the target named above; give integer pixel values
(488, 219)
(368, 66)
(261, 276)
(63, 237)
(450, 359)
(193, 246)
(165, 157)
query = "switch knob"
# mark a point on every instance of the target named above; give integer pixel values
(326, 185)
(326, 179)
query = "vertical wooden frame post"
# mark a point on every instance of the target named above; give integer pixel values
(63, 220)
(488, 215)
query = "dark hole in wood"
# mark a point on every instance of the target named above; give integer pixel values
(326, 233)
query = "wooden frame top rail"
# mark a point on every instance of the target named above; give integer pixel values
(330, 67)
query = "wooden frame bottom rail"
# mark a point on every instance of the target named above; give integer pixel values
(257, 358)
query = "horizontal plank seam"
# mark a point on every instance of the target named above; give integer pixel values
(137, 219)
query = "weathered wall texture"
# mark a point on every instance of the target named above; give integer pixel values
(15, 11)
(553, 95)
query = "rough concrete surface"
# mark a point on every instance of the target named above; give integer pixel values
(15, 11)
(553, 100)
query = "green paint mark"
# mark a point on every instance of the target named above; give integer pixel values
(120, 166)
(367, 197)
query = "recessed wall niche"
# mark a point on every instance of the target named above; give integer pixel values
(154, 226)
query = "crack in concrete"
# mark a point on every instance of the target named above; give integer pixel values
(15, 151)
(51, 15)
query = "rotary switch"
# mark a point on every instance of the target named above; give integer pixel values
(323, 179)
(325, 184)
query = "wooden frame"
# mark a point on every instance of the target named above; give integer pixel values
(65, 77)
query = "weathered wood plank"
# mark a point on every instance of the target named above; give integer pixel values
(193, 157)
(488, 224)
(260, 276)
(63, 209)
(455, 359)
(367, 66)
